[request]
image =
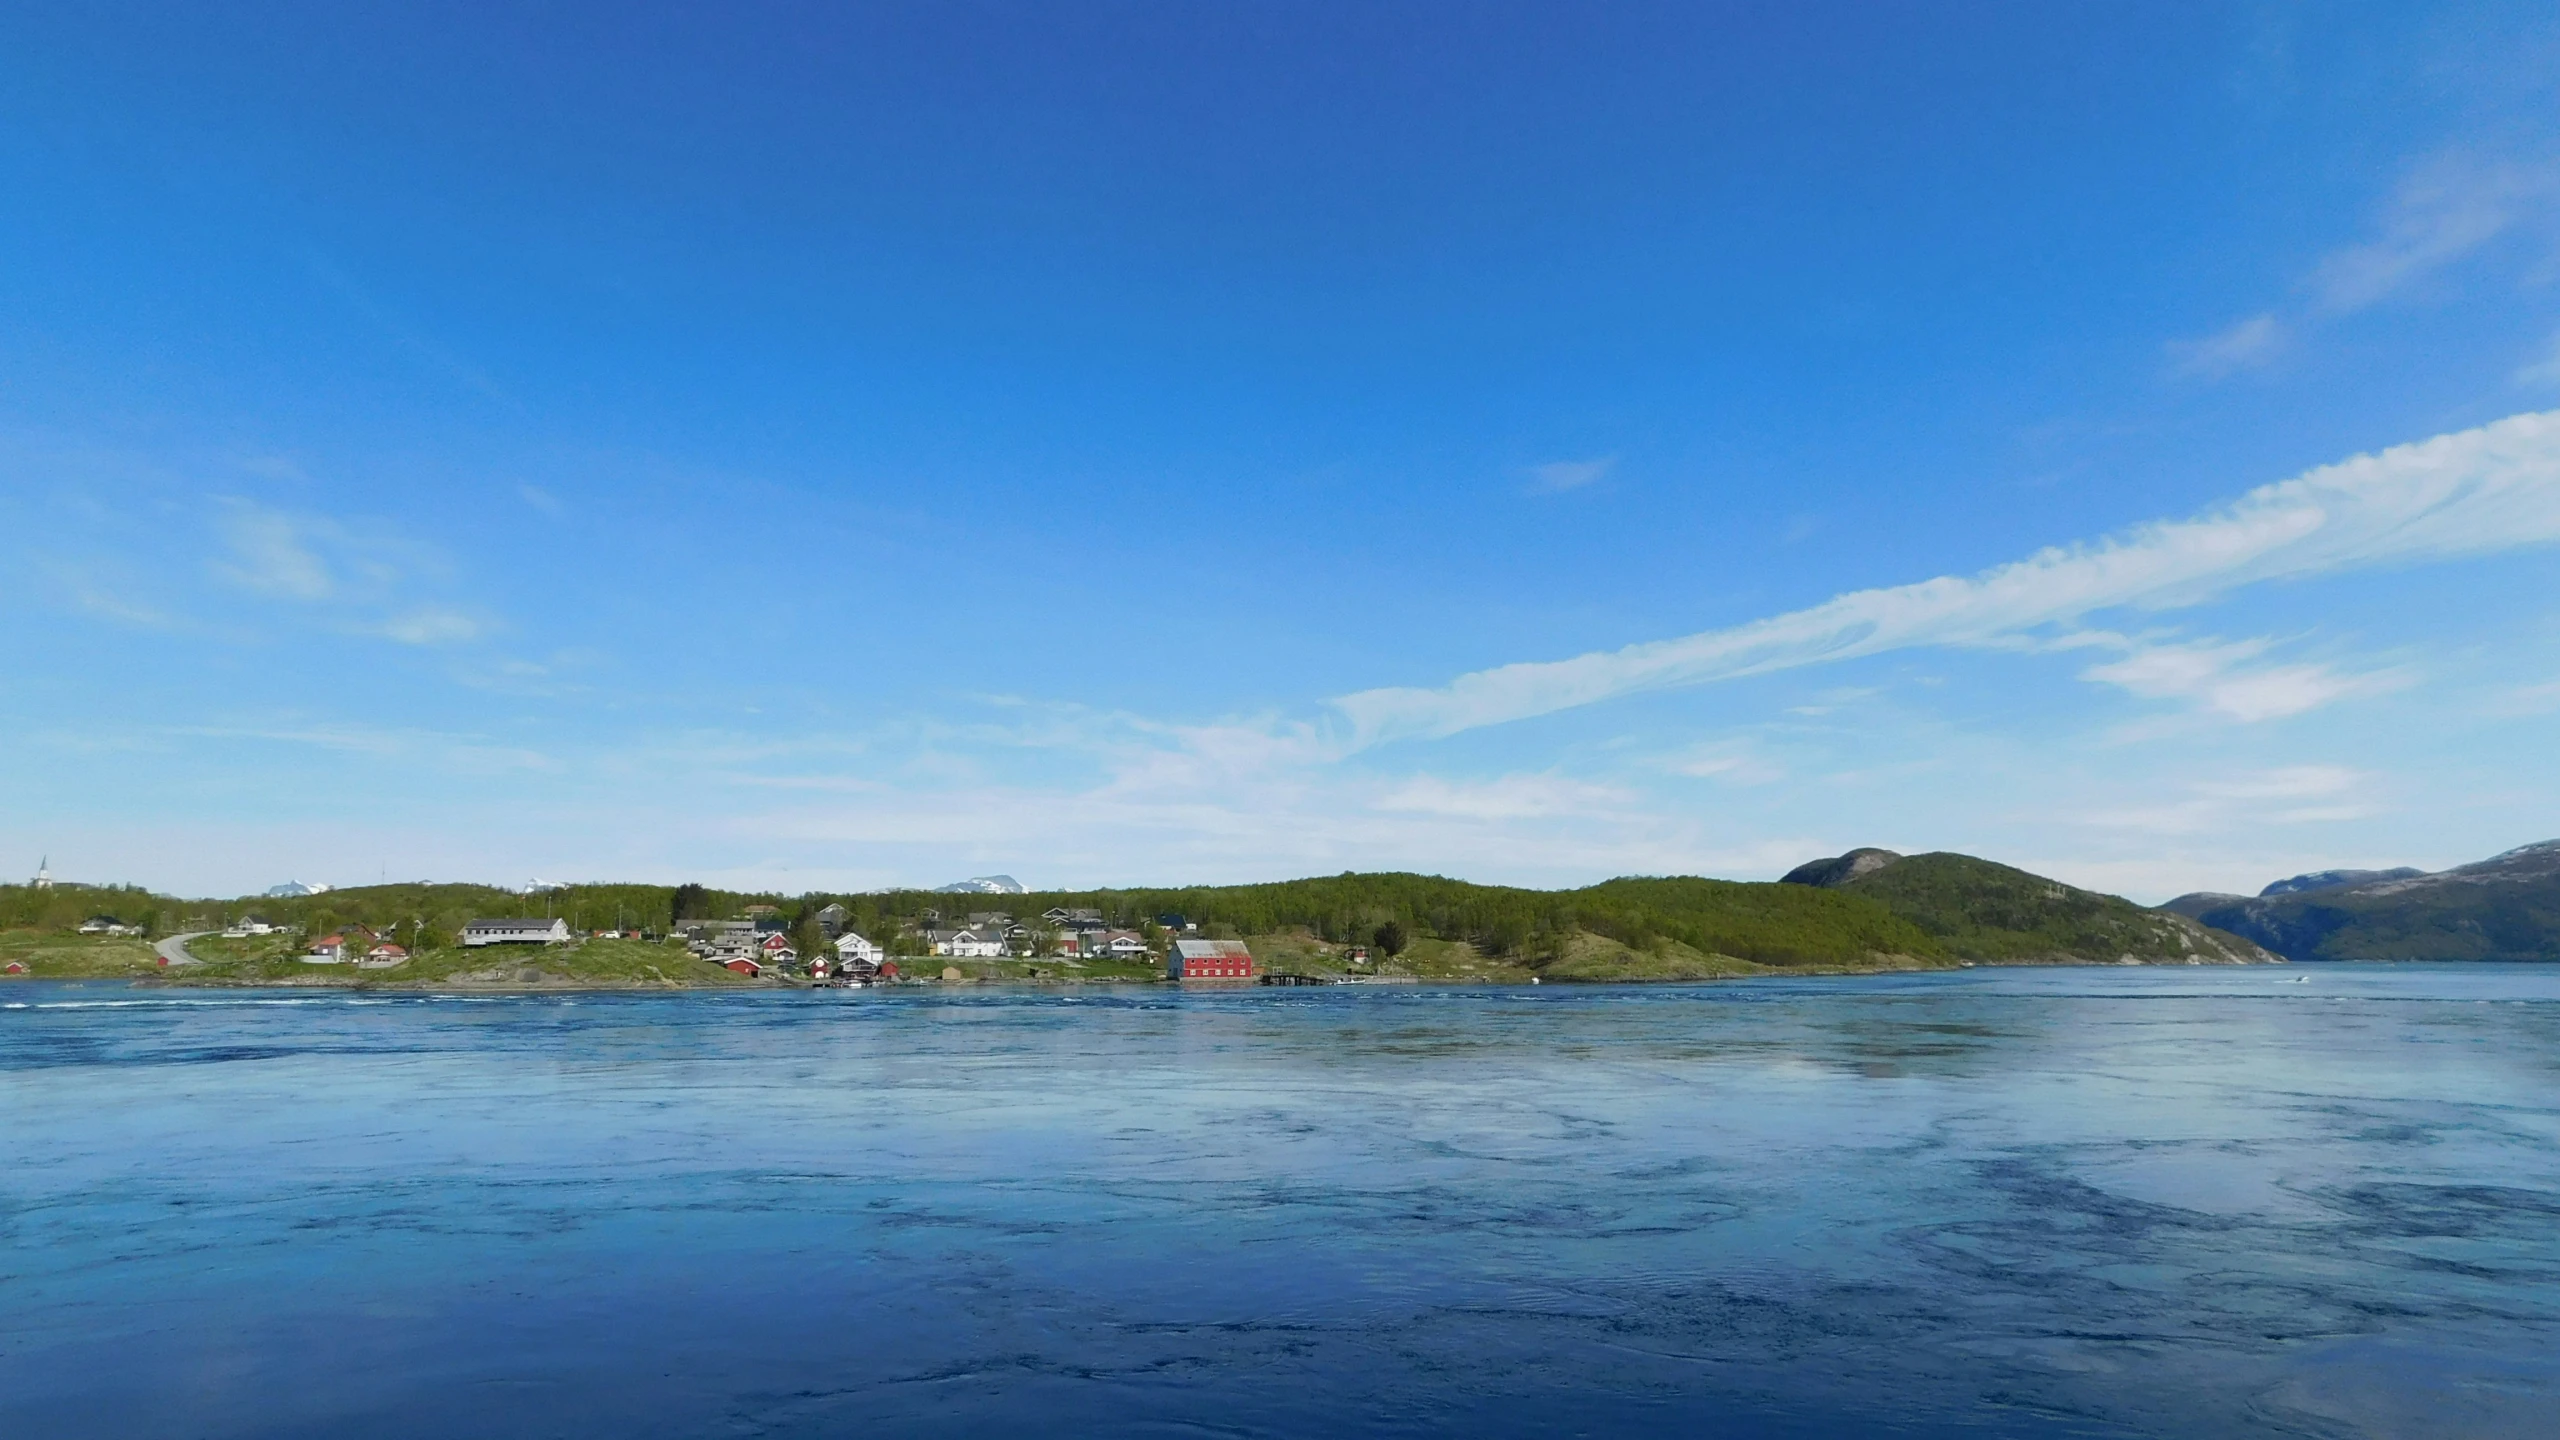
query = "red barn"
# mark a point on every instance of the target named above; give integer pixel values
(1210, 960)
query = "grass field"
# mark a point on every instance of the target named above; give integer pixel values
(53, 955)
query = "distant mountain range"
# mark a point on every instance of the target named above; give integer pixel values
(983, 885)
(1983, 911)
(2503, 908)
(2335, 880)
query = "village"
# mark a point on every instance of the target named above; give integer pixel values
(763, 943)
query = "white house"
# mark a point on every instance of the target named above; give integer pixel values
(969, 945)
(851, 948)
(1120, 945)
(516, 932)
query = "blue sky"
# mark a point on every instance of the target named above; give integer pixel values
(839, 447)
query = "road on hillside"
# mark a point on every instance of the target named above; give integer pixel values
(173, 951)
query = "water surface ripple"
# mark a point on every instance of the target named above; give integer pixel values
(2316, 1201)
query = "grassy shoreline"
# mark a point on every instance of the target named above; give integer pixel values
(275, 962)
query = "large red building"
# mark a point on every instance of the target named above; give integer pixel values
(1210, 960)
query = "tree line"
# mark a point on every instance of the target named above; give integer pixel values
(1767, 923)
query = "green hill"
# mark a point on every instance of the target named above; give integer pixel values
(1865, 910)
(1681, 927)
(1987, 912)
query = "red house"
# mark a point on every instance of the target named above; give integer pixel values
(742, 965)
(1210, 960)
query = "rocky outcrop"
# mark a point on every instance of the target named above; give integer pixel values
(1839, 870)
(2335, 880)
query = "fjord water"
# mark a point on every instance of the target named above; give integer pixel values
(2272, 1201)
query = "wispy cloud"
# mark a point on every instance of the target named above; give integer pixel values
(2288, 782)
(270, 553)
(462, 753)
(2443, 210)
(360, 578)
(2544, 371)
(2218, 677)
(2287, 795)
(2247, 345)
(2468, 493)
(1509, 797)
(1558, 476)
(2522, 700)
(1729, 765)
(432, 626)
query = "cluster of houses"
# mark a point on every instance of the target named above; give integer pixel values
(107, 925)
(1074, 934)
(762, 942)
(359, 945)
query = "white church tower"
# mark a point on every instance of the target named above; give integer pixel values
(44, 873)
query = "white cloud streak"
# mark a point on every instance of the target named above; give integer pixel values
(2469, 493)
(2247, 345)
(2443, 211)
(1562, 475)
(432, 626)
(2545, 371)
(2217, 677)
(1509, 797)
(2290, 795)
(269, 554)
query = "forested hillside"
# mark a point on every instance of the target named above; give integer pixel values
(64, 907)
(1761, 923)
(1865, 908)
(1984, 911)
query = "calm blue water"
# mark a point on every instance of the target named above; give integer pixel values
(2184, 1202)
